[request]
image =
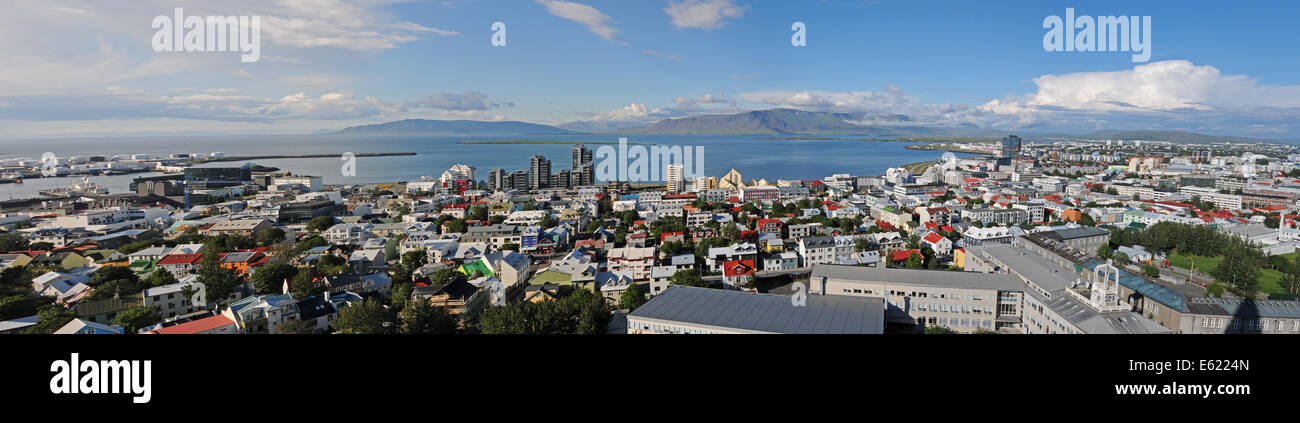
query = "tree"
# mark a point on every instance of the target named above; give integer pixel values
(1240, 270)
(937, 330)
(510, 246)
(269, 237)
(219, 282)
(320, 223)
(1104, 251)
(915, 261)
(861, 244)
(20, 305)
(12, 242)
(51, 319)
(269, 279)
(633, 297)
(159, 277)
(108, 274)
(913, 242)
(304, 285)
(1215, 289)
(368, 317)
(15, 280)
(420, 317)
(309, 243)
(295, 326)
(1150, 270)
(1120, 258)
(582, 312)
(134, 318)
(688, 277)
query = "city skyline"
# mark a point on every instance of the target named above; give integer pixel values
(85, 69)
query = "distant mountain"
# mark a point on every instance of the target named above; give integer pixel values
(799, 122)
(764, 122)
(452, 127)
(1170, 136)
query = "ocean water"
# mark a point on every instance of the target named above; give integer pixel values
(753, 156)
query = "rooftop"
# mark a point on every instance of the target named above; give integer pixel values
(764, 313)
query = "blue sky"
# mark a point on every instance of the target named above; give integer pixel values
(87, 67)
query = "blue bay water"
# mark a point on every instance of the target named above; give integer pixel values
(753, 156)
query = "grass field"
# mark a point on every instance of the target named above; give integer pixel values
(1270, 281)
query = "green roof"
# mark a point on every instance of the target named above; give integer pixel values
(476, 266)
(552, 277)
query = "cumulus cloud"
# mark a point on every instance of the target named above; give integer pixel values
(703, 14)
(693, 102)
(597, 22)
(1174, 90)
(467, 101)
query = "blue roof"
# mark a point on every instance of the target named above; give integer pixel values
(1146, 288)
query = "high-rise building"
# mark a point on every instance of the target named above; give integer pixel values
(561, 179)
(673, 175)
(583, 170)
(519, 180)
(1010, 150)
(539, 170)
(497, 179)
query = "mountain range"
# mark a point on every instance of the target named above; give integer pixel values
(788, 122)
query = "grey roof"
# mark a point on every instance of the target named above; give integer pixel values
(1080, 232)
(765, 313)
(1238, 307)
(1091, 321)
(1045, 274)
(945, 278)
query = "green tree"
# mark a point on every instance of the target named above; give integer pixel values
(13, 242)
(420, 317)
(1104, 251)
(320, 223)
(20, 305)
(937, 330)
(134, 318)
(159, 277)
(1150, 270)
(219, 282)
(51, 319)
(15, 280)
(269, 237)
(309, 243)
(1240, 270)
(304, 285)
(915, 261)
(688, 277)
(633, 297)
(1120, 258)
(367, 317)
(295, 326)
(112, 273)
(270, 278)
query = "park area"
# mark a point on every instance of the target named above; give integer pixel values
(1270, 280)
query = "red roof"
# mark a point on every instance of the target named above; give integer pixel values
(946, 228)
(204, 324)
(933, 237)
(905, 254)
(181, 259)
(665, 235)
(931, 225)
(738, 267)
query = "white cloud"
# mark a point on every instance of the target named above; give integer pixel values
(1177, 91)
(657, 53)
(703, 14)
(412, 26)
(597, 22)
(467, 101)
(692, 102)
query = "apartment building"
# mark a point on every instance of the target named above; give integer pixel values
(960, 301)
